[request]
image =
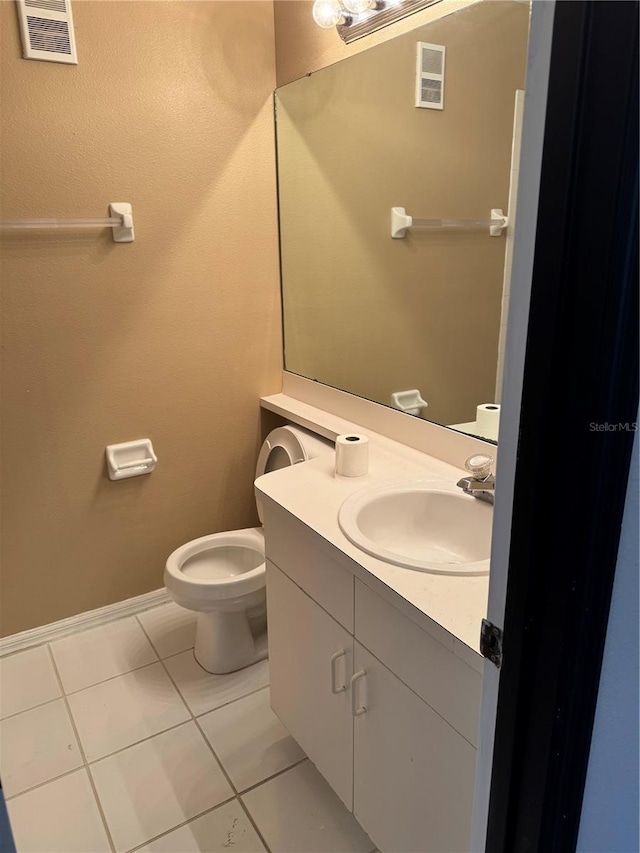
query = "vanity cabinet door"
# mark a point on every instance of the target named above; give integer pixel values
(413, 773)
(311, 663)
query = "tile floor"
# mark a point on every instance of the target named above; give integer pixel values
(114, 739)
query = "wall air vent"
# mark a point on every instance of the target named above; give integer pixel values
(430, 76)
(47, 30)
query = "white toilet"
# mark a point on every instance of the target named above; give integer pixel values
(223, 576)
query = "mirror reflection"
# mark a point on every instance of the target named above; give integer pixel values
(429, 122)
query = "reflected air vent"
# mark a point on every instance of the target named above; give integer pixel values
(48, 5)
(430, 76)
(47, 30)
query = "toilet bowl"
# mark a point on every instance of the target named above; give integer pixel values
(223, 576)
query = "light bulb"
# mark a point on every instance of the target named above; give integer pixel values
(357, 7)
(327, 13)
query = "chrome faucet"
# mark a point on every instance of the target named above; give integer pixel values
(482, 483)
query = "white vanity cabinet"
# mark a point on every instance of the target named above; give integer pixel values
(386, 712)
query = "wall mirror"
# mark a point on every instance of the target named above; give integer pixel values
(376, 315)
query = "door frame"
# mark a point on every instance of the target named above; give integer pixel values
(571, 458)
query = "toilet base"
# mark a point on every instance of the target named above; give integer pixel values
(225, 643)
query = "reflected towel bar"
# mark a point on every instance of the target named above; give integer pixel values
(401, 221)
(120, 221)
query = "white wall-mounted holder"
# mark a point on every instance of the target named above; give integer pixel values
(497, 215)
(130, 459)
(122, 233)
(401, 222)
(120, 221)
(410, 402)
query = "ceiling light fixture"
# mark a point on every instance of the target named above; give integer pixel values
(354, 19)
(328, 13)
(357, 7)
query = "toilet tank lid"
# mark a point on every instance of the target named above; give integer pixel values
(287, 446)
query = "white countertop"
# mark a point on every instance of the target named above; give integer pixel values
(312, 493)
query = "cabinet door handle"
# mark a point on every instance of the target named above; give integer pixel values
(357, 712)
(334, 681)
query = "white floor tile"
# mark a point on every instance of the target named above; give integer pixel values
(250, 740)
(297, 812)
(92, 656)
(37, 746)
(203, 692)
(225, 829)
(158, 784)
(59, 817)
(171, 628)
(26, 680)
(117, 713)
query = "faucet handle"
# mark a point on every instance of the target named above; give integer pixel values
(479, 466)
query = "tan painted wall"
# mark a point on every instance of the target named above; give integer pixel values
(174, 336)
(366, 313)
(303, 47)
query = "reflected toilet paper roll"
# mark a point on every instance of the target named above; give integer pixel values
(352, 455)
(488, 420)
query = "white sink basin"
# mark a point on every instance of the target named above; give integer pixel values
(429, 525)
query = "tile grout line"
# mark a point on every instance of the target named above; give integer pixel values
(175, 684)
(136, 743)
(111, 678)
(167, 673)
(231, 701)
(181, 825)
(206, 741)
(10, 797)
(196, 723)
(240, 794)
(32, 708)
(253, 824)
(82, 753)
(237, 796)
(90, 764)
(275, 775)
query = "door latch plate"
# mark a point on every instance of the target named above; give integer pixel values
(491, 642)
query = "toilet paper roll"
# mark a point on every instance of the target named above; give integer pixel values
(488, 420)
(352, 455)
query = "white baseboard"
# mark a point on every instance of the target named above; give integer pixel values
(81, 622)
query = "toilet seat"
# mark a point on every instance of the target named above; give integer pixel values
(286, 446)
(281, 448)
(218, 567)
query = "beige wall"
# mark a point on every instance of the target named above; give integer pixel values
(174, 336)
(366, 313)
(303, 47)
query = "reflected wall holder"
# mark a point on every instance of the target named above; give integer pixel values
(401, 222)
